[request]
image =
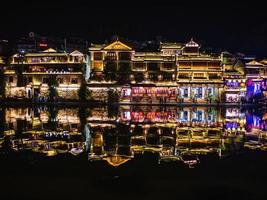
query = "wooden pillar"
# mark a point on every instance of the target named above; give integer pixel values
(117, 63)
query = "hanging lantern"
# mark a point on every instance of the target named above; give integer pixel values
(160, 77)
(173, 77)
(132, 77)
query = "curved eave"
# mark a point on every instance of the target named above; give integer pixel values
(116, 161)
(45, 54)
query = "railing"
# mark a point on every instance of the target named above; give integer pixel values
(143, 69)
(49, 61)
(54, 62)
(168, 69)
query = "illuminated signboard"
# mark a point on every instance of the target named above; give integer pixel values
(43, 45)
(233, 83)
(232, 112)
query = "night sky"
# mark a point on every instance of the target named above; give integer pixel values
(229, 26)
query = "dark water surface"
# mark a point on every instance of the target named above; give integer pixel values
(133, 152)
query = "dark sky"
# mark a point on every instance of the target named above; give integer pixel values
(221, 24)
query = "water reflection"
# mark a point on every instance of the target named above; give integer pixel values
(47, 131)
(118, 135)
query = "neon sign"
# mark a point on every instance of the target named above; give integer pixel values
(43, 45)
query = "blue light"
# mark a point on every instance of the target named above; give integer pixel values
(231, 125)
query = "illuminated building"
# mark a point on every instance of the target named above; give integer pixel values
(153, 76)
(175, 73)
(32, 75)
(234, 79)
(199, 76)
(178, 73)
(256, 80)
(108, 59)
(110, 64)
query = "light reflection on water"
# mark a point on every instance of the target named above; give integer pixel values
(116, 136)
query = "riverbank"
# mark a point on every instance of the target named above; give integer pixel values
(101, 103)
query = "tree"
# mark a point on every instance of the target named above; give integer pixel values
(2, 121)
(53, 84)
(6, 62)
(2, 84)
(211, 97)
(53, 113)
(124, 72)
(113, 96)
(83, 114)
(110, 71)
(113, 111)
(139, 77)
(83, 93)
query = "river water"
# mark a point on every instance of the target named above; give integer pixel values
(133, 152)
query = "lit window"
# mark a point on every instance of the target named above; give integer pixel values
(198, 75)
(127, 92)
(98, 66)
(111, 56)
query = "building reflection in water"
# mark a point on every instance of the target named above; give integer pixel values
(183, 134)
(48, 131)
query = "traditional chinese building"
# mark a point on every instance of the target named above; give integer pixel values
(177, 73)
(32, 75)
(110, 66)
(255, 80)
(153, 78)
(173, 73)
(234, 79)
(110, 62)
(199, 76)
